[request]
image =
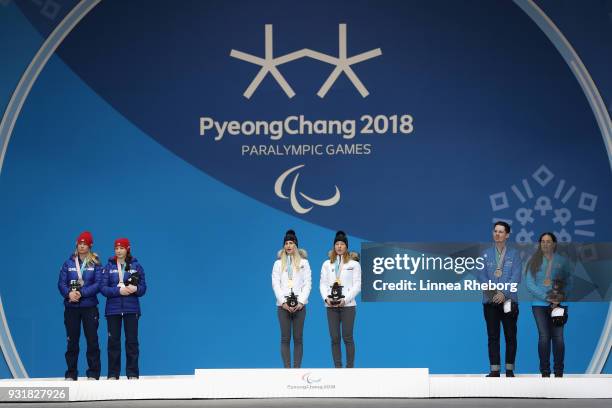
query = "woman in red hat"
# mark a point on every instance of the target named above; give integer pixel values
(123, 283)
(79, 283)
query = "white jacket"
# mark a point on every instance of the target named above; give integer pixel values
(302, 281)
(350, 279)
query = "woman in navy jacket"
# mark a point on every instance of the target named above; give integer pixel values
(123, 283)
(79, 282)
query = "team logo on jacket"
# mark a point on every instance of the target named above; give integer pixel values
(295, 204)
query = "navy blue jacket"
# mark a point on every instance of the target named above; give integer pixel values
(92, 276)
(116, 303)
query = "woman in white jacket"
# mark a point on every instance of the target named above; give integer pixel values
(291, 281)
(342, 268)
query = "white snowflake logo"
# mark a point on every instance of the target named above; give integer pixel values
(570, 221)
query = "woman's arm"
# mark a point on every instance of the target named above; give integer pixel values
(62, 282)
(105, 288)
(356, 284)
(276, 283)
(303, 297)
(323, 282)
(142, 282)
(536, 291)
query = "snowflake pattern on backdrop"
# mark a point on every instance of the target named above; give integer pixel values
(572, 213)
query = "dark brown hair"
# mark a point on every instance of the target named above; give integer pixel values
(535, 262)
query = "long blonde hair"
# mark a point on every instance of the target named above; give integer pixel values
(91, 257)
(296, 259)
(333, 256)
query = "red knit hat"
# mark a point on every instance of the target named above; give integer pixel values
(85, 237)
(123, 242)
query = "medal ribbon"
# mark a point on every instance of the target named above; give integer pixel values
(547, 281)
(119, 271)
(500, 260)
(78, 267)
(337, 267)
(290, 272)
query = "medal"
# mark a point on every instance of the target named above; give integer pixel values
(120, 275)
(290, 272)
(500, 262)
(547, 282)
(79, 272)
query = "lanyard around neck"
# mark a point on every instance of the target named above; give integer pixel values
(289, 267)
(78, 267)
(547, 280)
(119, 271)
(502, 256)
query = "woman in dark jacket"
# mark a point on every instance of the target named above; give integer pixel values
(78, 283)
(123, 283)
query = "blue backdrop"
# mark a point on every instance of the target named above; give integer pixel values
(109, 140)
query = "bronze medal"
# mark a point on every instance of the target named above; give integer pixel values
(498, 273)
(547, 282)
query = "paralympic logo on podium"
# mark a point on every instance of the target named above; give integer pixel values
(310, 379)
(312, 383)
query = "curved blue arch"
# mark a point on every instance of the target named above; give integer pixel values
(11, 114)
(73, 18)
(600, 355)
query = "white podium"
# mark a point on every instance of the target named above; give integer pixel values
(321, 383)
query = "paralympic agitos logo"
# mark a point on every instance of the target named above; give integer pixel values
(295, 204)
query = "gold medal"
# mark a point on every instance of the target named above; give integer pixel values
(498, 273)
(290, 283)
(338, 281)
(547, 282)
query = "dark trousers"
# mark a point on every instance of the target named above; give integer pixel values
(291, 322)
(547, 333)
(494, 316)
(340, 321)
(130, 325)
(73, 318)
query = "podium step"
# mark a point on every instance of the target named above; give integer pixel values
(312, 383)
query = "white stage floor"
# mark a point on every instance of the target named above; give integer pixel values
(316, 383)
